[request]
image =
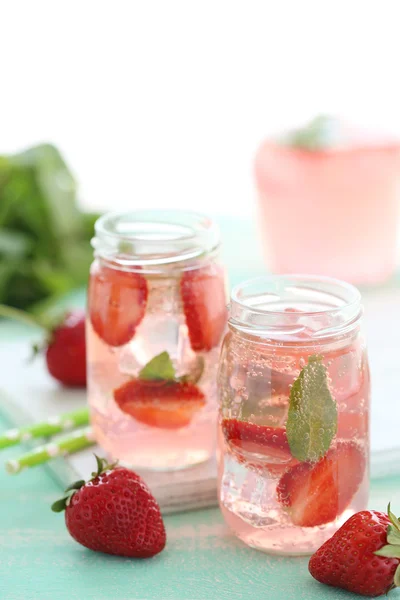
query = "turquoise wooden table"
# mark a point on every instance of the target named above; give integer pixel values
(202, 560)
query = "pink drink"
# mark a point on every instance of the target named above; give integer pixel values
(294, 402)
(330, 212)
(156, 316)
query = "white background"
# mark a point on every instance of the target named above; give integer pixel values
(163, 103)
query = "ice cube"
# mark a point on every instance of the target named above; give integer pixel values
(156, 334)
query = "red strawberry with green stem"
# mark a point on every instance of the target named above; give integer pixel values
(64, 344)
(117, 303)
(363, 556)
(315, 493)
(204, 305)
(114, 512)
(160, 399)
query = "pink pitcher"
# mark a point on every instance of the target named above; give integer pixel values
(330, 212)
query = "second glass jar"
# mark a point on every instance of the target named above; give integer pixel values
(294, 404)
(156, 316)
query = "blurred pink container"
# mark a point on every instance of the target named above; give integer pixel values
(331, 212)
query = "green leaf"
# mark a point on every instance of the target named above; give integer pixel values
(44, 237)
(321, 133)
(396, 580)
(395, 521)
(14, 244)
(160, 368)
(19, 315)
(100, 465)
(312, 417)
(76, 258)
(389, 551)
(59, 505)
(56, 188)
(76, 485)
(88, 221)
(393, 535)
(7, 270)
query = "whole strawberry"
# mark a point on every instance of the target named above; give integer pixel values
(64, 343)
(114, 512)
(363, 556)
(66, 350)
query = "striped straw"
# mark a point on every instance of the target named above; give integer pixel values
(78, 440)
(53, 425)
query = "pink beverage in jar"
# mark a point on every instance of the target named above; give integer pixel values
(293, 423)
(157, 313)
(330, 210)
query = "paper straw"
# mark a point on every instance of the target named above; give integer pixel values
(51, 426)
(80, 439)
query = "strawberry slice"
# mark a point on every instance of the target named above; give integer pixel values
(352, 425)
(117, 303)
(166, 405)
(258, 446)
(317, 493)
(204, 306)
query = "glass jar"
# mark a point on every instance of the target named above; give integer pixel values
(156, 316)
(293, 420)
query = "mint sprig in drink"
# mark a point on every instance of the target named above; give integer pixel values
(294, 400)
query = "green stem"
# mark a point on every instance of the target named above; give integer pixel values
(81, 439)
(53, 425)
(10, 312)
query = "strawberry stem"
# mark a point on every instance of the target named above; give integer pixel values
(62, 504)
(102, 466)
(10, 312)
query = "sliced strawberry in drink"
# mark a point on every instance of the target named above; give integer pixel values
(258, 446)
(317, 493)
(117, 301)
(204, 305)
(348, 376)
(352, 425)
(167, 405)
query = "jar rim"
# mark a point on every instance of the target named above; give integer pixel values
(154, 237)
(292, 305)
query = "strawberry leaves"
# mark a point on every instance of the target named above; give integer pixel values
(392, 548)
(102, 466)
(161, 368)
(62, 504)
(312, 417)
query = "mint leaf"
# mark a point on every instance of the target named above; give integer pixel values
(160, 368)
(321, 133)
(312, 417)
